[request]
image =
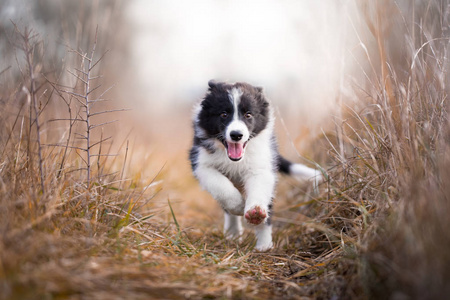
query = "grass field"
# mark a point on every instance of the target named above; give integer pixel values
(89, 211)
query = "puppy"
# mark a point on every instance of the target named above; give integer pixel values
(235, 156)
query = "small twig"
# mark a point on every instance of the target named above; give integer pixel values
(101, 57)
(109, 111)
(78, 77)
(59, 145)
(99, 153)
(66, 119)
(4, 70)
(81, 136)
(99, 142)
(93, 89)
(102, 124)
(123, 167)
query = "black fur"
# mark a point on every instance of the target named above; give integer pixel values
(212, 120)
(283, 165)
(217, 111)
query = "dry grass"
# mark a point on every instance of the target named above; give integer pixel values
(378, 229)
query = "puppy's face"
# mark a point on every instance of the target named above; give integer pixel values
(233, 114)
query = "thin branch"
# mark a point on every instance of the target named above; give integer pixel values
(66, 119)
(82, 158)
(73, 93)
(4, 70)
(90, 91)
(78, 77)
(81, 71)
(104, 92)
(103, 55)
(98, 100)
(75, 170)
(102, 124)
(101, 141)
(59, 145)
(99, 152)
(81, 135)
(96, 77)
(109, 111)
(84, 56)
(123, 167)
(55, 89)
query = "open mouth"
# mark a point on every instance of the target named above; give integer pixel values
(235, 150)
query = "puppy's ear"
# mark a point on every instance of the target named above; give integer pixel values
(261, 97)
(213, 84)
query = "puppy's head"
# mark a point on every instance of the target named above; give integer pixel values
(233, 114)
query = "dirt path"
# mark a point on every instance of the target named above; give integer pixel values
(203, 263)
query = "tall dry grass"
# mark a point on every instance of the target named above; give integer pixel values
(406, 148)
(64, 195)
(378, 228)
(388, 190)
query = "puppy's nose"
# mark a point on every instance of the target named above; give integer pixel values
(236, 135)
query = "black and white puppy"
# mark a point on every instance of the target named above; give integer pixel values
(235, 157)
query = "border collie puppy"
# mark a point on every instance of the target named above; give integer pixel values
(235, 158)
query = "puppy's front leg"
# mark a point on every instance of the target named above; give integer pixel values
(259, 188)
(221, 188)
(263, 233)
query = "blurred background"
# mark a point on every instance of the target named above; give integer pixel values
(308, 56)
(164, 52)
(313, 58)
(161, 55)
(294, 49)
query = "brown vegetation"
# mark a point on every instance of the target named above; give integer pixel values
(75, 224)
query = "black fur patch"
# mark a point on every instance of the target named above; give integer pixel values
(217, 109)
(283, 164)
(253, 102)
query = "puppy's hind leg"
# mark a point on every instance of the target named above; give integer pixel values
(232, 227)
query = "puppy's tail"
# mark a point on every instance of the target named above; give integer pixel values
(300, 171)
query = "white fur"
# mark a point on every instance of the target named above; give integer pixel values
(260, 178)
(232, 227)
(216, 172)
(263, 233)
(217, 184)
(253, 171)
(236, 125)
(235, 97)
(303, 172)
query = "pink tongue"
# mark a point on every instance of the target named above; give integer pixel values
(235, 150)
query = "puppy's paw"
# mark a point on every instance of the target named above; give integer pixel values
(256, 215)
(264, 246)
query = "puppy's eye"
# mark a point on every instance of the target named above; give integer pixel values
(248, 115)
(224, 115)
